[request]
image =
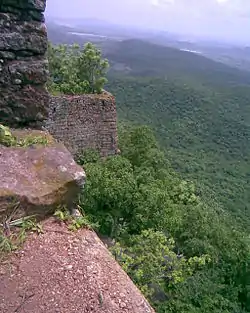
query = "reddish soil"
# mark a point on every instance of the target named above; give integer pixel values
(64, 272)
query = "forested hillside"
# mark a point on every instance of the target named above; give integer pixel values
(177, 209)
(205, 134)
(200, 111)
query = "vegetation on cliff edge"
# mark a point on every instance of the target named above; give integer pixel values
(76, 71)
(8, 138)
(184, 253)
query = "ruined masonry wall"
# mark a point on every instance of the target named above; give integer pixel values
(80, 122)
(23, 66)
(85, 121)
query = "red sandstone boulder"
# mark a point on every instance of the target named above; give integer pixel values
(38, 178)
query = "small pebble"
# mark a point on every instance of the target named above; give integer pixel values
(69, 267)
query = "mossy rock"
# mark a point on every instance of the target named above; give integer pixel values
(6, 137)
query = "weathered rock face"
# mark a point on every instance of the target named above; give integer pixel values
(24, 99)
(61, 271)
(38, 178)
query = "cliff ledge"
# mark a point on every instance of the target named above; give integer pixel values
(64, 271)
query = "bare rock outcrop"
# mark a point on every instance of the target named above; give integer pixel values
(60, 271)
(39, 178)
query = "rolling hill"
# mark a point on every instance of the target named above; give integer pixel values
(105, 34)
(149, 59)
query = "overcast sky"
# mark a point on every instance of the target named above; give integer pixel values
(228, 19)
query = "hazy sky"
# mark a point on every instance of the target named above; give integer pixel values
(218, 18)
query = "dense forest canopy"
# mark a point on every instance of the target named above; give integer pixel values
(205, 132)
(177, 205)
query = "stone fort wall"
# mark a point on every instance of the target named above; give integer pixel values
(80, 122)
(23, 66)
(85, 121)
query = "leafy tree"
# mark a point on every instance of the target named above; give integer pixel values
(151, 262)
(75, 71)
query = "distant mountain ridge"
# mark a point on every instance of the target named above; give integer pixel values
(155, 60)
(60, 31)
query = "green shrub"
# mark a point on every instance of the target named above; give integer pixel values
(32, 140)
(88, 156)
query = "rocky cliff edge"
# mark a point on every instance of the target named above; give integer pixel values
(54, 269)
(65, 272)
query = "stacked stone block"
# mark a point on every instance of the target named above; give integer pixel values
(24, 99)
(84, 121)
